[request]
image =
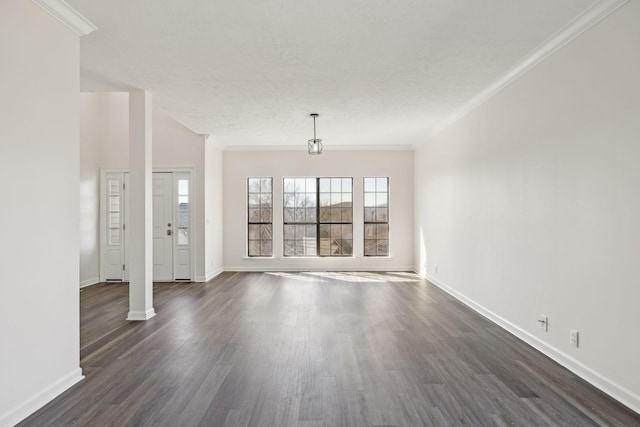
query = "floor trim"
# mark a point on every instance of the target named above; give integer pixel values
(616, 391)
(141, 315)
(39, 400)
(89, 282)
(210, 275)
(333, 268)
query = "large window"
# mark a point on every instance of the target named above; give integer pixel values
(376, 216)
(260, 203)
(318, 216)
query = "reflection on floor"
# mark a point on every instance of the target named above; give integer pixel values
(352, 276)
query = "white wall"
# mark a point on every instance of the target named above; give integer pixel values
(213, 209)
(530, 205)
(105, 144)
(39, 166)
(397, 165)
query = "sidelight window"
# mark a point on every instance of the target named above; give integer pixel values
(183, 212)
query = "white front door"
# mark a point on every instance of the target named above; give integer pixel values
(172, 206)
(162, 226)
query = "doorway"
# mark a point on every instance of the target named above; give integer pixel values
(172, 218)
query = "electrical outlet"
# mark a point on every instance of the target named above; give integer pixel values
(543, 321)
(574, 337)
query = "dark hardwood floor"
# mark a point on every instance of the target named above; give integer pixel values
(313, 349)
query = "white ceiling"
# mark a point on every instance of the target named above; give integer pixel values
(249, 72)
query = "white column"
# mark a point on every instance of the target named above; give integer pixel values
(140, 208)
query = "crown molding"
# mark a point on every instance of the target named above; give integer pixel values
(591, 16)
(303, 147)
(70, 17)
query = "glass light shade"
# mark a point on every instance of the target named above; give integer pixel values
(315, 146)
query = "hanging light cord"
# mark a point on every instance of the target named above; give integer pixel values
(314, 126)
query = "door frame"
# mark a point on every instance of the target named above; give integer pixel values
(192, 215)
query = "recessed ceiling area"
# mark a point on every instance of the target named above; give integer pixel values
(250, 72)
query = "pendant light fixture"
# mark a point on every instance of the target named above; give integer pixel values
(315, 144)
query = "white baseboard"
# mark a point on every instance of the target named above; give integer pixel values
(301, 268)
(209, 276)
(616, 391)
(141, 315)
(36, 402)
(89, 282)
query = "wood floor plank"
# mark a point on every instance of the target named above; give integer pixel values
(310, 350)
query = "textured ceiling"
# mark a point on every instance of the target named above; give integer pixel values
(249, 72)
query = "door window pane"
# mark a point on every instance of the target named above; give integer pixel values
(183, 187)
(114, 219)
(114, 188)
(183, 212)
(114, 236)
(114, 203)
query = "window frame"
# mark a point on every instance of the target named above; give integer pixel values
(376, 222)
(318, 223)
(288, 211)
(261, 222)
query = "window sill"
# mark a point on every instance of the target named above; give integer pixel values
(284, 258)
(333, 258)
